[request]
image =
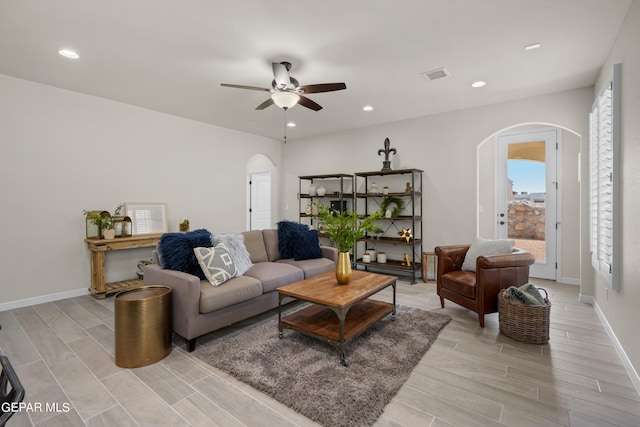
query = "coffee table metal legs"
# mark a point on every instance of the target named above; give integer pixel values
(280, 334)
(393, 313)
(341, 344)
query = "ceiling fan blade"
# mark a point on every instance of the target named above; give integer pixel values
(323, 87)
(245, 87)
(281, 75)
(306, 102)
(265, 104)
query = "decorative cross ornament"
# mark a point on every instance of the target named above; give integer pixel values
(386, 165)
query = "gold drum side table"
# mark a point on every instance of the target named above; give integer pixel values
(142, 326)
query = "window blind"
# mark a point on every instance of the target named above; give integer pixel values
(604, 180)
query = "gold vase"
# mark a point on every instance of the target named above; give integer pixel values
(343, 268)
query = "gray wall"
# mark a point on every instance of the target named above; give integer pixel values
(445, 147)
(621, 308)
(63, 152)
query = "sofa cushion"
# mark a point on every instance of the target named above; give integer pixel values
(176, 251)
(460, 282)
(234, 291)
(234, 243)
(311, 267)
(483, 247)
(286, 237)
(271, 244)
(306, 245)
(274, 274)
(254, 243)
(216, 264)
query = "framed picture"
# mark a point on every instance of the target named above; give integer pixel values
(147, 218)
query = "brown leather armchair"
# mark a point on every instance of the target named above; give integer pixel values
(478, 291)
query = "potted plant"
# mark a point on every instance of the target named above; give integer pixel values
(344, 229)
(104, 221)
(385, 206)
(141, 265)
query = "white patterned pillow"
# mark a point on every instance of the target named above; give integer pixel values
(483, 247)
(235, 244)
(216, 263)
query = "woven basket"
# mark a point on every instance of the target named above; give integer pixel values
(524, 322)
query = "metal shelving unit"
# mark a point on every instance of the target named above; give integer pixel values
(411, 217)
(339, 191)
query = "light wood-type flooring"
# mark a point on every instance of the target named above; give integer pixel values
(63, 352)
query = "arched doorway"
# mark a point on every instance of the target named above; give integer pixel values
(527, 195)
(555, 207)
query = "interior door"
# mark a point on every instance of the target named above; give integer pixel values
(527, 196)
(260, 201)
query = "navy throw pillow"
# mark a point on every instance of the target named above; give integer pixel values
(306, 245)
(176, 251)
(285, 237)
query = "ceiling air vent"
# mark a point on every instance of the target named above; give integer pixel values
(438, 73)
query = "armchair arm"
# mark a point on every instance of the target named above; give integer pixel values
(450, 258)
(497, 272)
(517, 258)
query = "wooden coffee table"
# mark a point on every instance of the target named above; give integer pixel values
(339, 313)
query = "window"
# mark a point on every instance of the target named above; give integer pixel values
(147, 217)
(604, 177)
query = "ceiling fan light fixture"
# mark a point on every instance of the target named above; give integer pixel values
(285, 100)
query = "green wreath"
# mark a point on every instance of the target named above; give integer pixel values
(388, 201)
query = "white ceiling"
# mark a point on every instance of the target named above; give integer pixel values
(171, 56)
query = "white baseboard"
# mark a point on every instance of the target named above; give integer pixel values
(568, 281)
(631, 371)
(42, 299)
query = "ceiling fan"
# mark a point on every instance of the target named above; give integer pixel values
(287, 92)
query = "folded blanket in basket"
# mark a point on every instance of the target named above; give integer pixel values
(526, 294)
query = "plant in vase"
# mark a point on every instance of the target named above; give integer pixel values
(104, 222)
(378, 232)
(344, 229)
(141, 265)
(385, 207)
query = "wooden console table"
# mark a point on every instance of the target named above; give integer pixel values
(99, 248)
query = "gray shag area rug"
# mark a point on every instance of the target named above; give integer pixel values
(305, 374)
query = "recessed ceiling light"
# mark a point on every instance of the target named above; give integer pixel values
(479, 83)
(532, 46)
(68, 53)
(291, 124)
(367, 108)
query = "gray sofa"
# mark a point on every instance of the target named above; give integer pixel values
(199, 308)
